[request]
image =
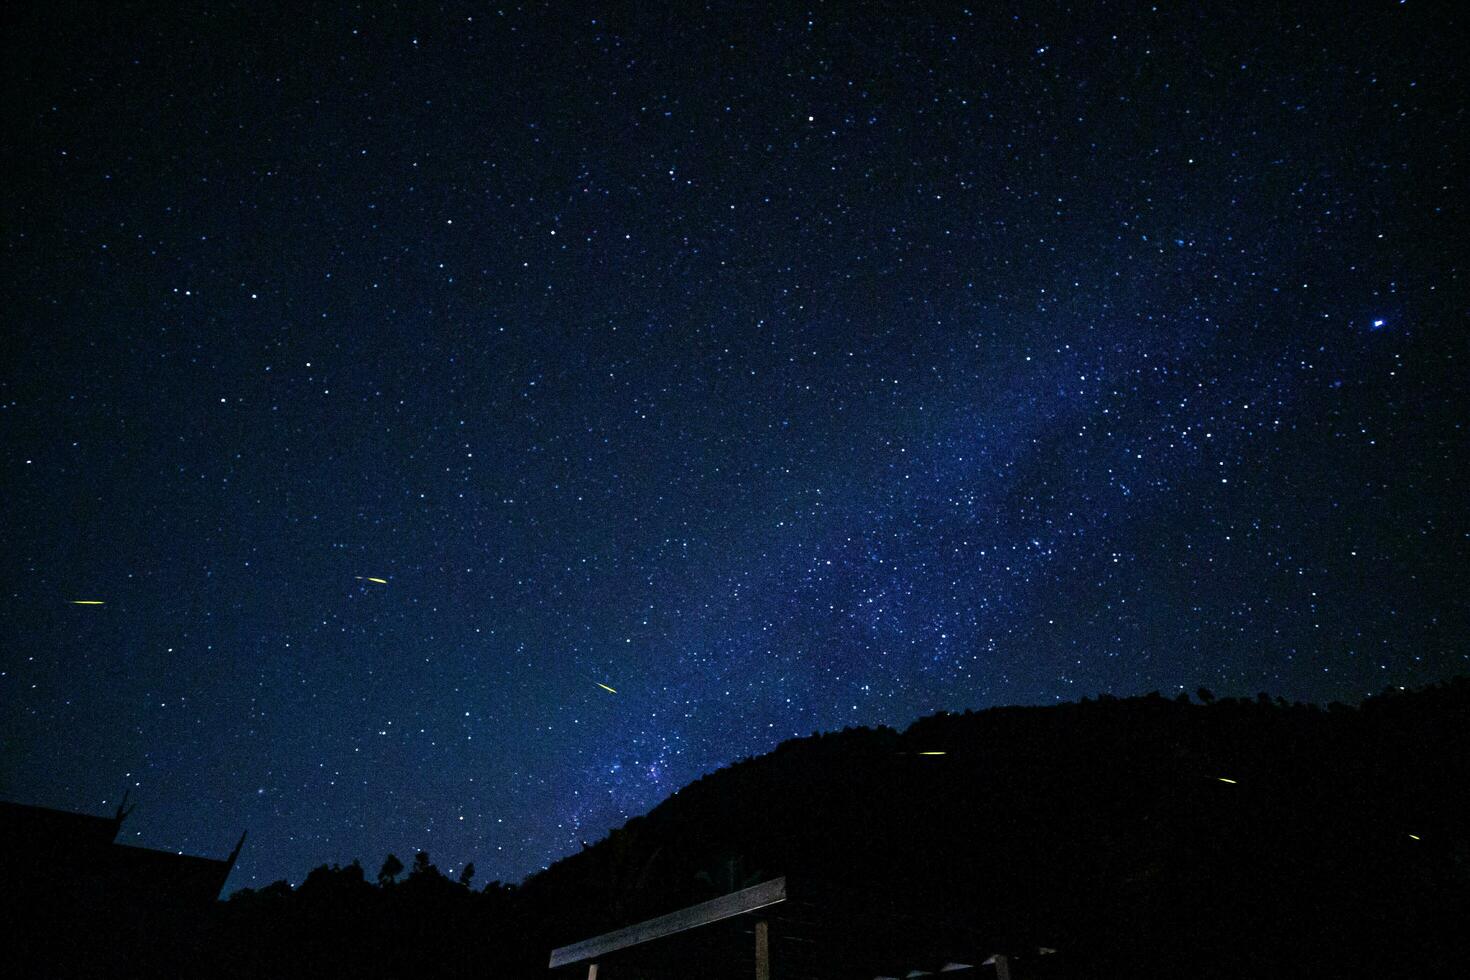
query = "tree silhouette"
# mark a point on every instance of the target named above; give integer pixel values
(391, 869)
(467, 875)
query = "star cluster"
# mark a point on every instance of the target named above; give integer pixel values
(477, 422)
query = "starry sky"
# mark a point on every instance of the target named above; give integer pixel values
(403, 377)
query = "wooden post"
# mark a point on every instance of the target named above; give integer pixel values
(762, 950)
(1002, 967)
(591, 971)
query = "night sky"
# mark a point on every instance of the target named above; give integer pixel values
(778, 369)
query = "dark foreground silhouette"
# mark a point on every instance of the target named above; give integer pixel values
(1138, 837)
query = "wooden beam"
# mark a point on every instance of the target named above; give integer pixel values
(736, 903)
(762, 950)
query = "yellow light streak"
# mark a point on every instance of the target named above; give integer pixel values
(604, 687)
(86, 602)
(1230, 781)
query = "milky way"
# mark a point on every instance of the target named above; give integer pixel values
(476, 422)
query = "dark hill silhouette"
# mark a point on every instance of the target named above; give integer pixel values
(1139, 837)
(1105, 829)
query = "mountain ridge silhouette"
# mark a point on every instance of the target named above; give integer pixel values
(1140, 836)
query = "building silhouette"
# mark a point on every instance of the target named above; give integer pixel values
(81, 902)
